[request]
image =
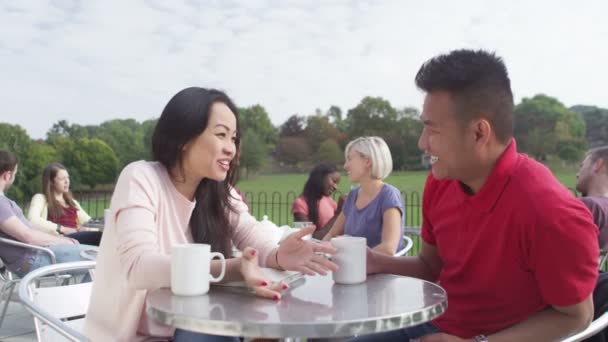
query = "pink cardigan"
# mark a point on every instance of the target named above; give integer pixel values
(135, 257)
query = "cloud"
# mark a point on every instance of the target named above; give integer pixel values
(88, 62)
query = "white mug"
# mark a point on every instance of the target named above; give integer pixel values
(351, 259)
(190, 269)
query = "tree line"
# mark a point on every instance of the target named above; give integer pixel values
(94, 154)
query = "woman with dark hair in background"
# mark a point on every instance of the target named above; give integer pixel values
(185, 195)
(315, 204)
(57, 212)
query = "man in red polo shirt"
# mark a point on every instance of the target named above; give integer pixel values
(514, 249)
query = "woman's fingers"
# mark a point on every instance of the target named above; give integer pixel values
(324, 247)
(267, 292)
(327, 264)
(317, 268)
(306, 270)
(251, 254)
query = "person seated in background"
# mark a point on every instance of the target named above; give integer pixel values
(185, 195)
(14, 226)
(315, 204)
(374, 209)
(57, 212)
(592, 183)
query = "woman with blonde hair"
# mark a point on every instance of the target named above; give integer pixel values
(57, 212)
(374, 209)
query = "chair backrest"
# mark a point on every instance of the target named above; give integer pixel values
(58, 310)
(595, 327)
(603, 257)
(407, 245)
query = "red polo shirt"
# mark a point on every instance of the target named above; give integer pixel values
(523, 242)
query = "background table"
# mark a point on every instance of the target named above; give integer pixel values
(317, 308)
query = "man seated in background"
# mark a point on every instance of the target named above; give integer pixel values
(592, 182)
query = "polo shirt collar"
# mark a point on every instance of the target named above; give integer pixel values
(492, 189)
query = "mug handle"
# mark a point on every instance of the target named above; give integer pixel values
(221, 276)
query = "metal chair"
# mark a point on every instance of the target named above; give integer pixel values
(595, 327)
(10, 280)
(408, 244)
(58, 310)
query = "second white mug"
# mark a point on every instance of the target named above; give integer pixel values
(351, 259)
(190, 269)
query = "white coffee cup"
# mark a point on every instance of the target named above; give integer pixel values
(302, 224)
(190, 269)
(351, 259)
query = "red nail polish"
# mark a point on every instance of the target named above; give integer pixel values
(264, 283)
(285, 286)
(253, 253)
(276, 297)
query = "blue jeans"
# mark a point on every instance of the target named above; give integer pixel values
(63, 253)
(401, 335)
(189, 336)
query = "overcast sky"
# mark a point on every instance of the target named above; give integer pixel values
(91, 61)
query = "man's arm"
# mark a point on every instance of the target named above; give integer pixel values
(426, 265)
(551, 324)
(15, 228)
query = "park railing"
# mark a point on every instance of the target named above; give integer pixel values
(276, 205)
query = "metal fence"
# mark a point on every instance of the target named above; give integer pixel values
(276, 205)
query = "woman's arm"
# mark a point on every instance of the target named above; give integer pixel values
(83, 217)
(37, 214)
(391, 232)
(337, 228)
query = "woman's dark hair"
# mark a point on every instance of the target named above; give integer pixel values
(55, 209)
(313, 190)
(184, 118)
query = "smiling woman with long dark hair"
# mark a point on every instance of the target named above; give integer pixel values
(184, 195)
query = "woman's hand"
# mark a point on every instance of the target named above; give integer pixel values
(68, 230)
(305, 256)
(255, 277)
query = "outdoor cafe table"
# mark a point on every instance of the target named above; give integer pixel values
(317, 308)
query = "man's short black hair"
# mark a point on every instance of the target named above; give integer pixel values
(478, 83)
(599, 153)
(8, 161)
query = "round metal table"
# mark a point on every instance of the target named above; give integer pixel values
(317, 308)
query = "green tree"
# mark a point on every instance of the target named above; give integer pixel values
(291, 150)
(319, 129)
(253, 152)
(148, 127)
(95, 162)
(330, 152)
(596, 124)
(38, 157)
(256, 119)
(125, 137)
(372, 116)
(542, 123)
(293, 127)
(13, 138)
